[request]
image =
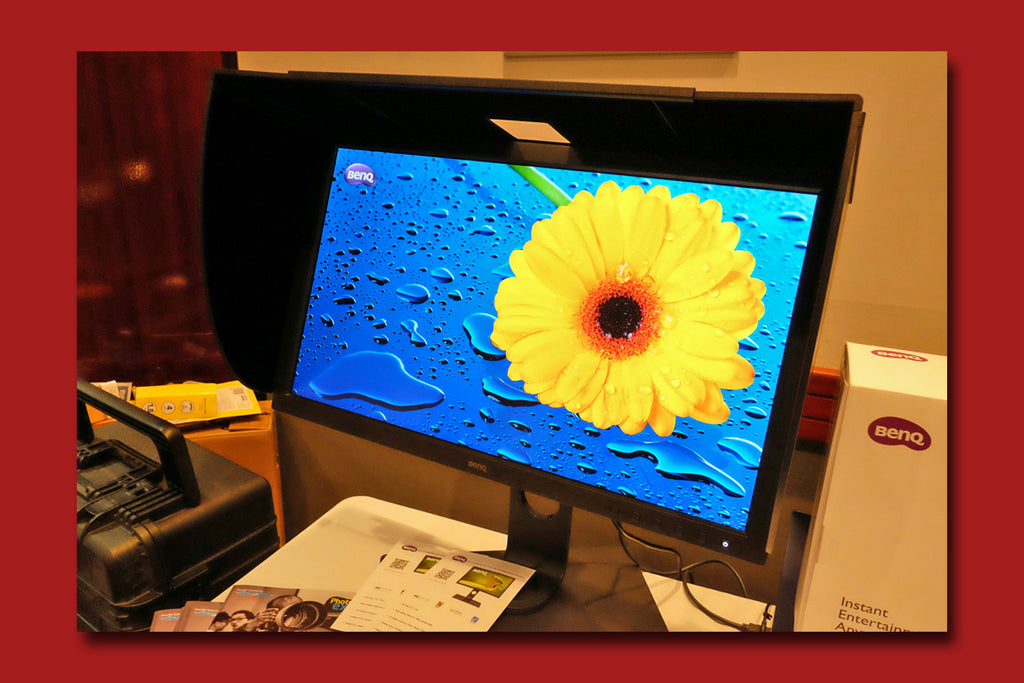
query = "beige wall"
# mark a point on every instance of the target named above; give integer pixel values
(889, 283)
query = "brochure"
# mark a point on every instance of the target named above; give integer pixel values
(425, 588)
(198, 615)
(269, 609)
(165, 620)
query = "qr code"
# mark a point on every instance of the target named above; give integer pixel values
(444, 574)
(399, 563)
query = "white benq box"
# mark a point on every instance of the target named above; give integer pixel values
(876, 558)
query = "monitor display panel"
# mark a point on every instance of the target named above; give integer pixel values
(623, 334)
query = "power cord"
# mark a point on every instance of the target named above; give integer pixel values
(684, 575)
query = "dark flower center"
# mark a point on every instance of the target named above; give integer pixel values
(619, 317)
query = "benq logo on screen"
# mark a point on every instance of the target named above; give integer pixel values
(896, 431)
(360, 174)
(899, 354)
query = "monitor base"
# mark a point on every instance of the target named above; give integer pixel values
(540, 542)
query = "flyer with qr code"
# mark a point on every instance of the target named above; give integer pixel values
(426, 588)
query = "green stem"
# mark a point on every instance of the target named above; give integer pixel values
(541, 182)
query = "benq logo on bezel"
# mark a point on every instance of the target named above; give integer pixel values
(360, 174)
(901, 355)
(897, 431)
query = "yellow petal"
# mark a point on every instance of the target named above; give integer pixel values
(646, 234)
(743, 262)
(712, 211)
(702, 340)
(540, 358)
(561, 236)
(732, 373)
(508, 328)
(517, 262)
(639, 389)
(606, 215)
(724, 236)
(687, 233)
(553, 272)
(667, 363)
(617, 392)
(579, 218)
(591, 389)
(662, 420)
(696, 275)
(543, 345)
(517, 291)
(576, 375)
(713, 409)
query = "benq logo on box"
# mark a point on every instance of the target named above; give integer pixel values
(896, 431)
(360, 174)
(899, 354)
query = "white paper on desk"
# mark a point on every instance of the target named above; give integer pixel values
(679, 614)
(429, 588)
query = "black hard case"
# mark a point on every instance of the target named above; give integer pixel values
(161, 520)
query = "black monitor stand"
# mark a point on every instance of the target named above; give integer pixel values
(540, 542)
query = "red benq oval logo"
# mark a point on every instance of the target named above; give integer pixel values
(899, 354)
(896, 431)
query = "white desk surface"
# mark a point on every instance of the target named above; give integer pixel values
(342, 548)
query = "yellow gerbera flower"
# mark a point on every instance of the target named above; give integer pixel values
(627, 309)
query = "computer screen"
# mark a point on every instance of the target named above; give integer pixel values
(623, 332)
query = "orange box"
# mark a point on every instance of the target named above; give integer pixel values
(251, 442)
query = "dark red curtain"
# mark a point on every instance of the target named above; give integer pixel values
(142, 314)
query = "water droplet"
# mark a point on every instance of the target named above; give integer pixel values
(344, 301)
(755, 412)
(747, 452)
(414, 294)
(675, 461)
(442, 275)
(478, 328)
(439, 213)
(411, 326)
(511, 454)
(378, 378)
(377, 279)
(793, 216)
(487, 415)
(327, 320)
(586, 468)
(749, 344)
(501, 391)
(521, 426)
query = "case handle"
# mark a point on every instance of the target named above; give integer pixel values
(170, 444)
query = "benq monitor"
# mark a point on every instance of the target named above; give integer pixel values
(622, 323)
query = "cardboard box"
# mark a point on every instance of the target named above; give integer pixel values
(876, 555)
(251, 442)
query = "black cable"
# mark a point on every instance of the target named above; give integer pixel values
(682, 573)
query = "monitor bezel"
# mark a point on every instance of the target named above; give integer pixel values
(291, 102)
(748, 544)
